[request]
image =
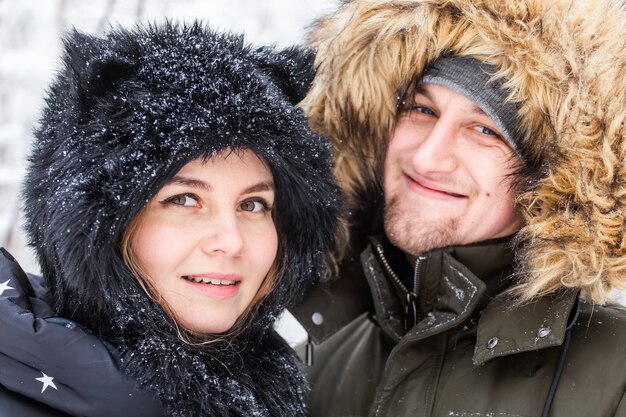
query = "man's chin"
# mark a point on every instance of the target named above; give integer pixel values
(416, 238)
(417, 230)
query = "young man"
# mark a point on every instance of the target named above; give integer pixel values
(496, 132)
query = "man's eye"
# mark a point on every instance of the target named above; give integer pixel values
(486, 131)
(187, 200)
(415, 108)
(425, 110)
(254, 206)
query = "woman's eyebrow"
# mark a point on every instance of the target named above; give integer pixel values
(190, 182)
(199, 184)
(262, 186)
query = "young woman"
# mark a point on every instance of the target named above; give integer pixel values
(177, 203)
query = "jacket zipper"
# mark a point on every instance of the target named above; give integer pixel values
(410, 307)
(416, 285)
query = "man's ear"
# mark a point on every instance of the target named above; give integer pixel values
(291, 69)
(92, 70)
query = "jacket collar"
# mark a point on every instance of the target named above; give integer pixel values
(456, 284)
(328, 307)
(440, 304)
(504, 329)
(450, 285)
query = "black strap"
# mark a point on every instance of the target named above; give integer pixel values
(308, 358)
(559, 369)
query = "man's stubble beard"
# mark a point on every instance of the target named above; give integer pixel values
(414, 236)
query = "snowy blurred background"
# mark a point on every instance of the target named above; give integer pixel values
(30, 42)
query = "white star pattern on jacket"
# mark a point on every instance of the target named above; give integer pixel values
(5, 286)
(47, 382)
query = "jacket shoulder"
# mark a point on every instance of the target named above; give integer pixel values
(598, 342)
(605, 323)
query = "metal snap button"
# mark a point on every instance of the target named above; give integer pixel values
(492, 343)
(317, 318)
(543, 332)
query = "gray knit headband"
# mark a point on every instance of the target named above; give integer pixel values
(472, 78)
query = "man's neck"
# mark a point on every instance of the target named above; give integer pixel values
(403, 263)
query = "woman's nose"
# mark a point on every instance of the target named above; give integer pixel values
(223, 236)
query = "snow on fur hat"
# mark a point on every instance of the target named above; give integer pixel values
(563, 62)
(126, 112)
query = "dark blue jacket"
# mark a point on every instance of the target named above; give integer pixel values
(51, 366)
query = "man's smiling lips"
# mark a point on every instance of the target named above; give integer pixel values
(431, 190)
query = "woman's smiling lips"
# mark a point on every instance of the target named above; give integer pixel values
(217, 285)
(431, 190)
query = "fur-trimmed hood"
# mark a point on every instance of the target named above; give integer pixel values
(124, 114)
(564, 64)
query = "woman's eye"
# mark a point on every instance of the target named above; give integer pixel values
(187, 200)
(254, 206)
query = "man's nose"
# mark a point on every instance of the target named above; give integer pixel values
(223, 236)
(436, 152)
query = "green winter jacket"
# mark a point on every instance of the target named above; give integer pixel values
(469, 353)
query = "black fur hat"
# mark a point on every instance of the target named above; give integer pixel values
(127, 111)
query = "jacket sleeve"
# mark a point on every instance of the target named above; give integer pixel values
(621, 408)
(12, 404)
(54, 363)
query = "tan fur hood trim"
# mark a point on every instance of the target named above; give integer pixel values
(565, 62)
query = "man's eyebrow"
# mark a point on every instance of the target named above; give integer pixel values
(421, 90)
(262, 186)
(190, 182)
(472, 108)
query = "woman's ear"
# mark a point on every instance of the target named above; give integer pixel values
(93, 70)
(291, 69)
